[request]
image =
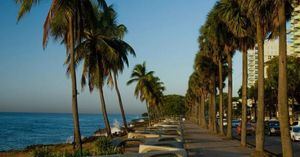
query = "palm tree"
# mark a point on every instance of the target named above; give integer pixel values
(71, 13)
(260, 13)
(141, 76)
(240, 27)
(203, 86)
(155, 90)
(208, 69)
(190, 97)
(195, 85)
(287, 149)
(113, 29)
(193, 100)
(211, 31)
(96, 55)
(102, 51)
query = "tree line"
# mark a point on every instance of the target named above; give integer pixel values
(231, 26)
(94, 39)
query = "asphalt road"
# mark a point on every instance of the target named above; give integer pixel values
(272, 143)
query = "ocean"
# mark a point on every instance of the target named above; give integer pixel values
(19, 130)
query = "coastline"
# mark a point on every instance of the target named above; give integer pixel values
(24, 130)
(87, 144)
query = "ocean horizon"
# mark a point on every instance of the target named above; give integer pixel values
(21, 129)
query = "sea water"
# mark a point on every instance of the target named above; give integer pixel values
(19, 130)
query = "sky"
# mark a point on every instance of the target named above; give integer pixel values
(162, 32)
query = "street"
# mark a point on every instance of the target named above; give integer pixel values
(272, 143)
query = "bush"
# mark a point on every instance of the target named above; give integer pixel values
(42, 152)
(46, 152)
(104, 146)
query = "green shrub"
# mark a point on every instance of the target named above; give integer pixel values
(104, 146)
(42, 152)
(46, 152)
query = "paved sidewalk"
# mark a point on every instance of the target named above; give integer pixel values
(200, 143)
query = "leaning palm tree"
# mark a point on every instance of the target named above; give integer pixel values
(118, 67)
(114, 30)
(96, 55)
(71, 14)
(101, 50)
(140, 75)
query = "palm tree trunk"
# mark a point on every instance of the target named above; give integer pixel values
(229, 103)
(244, 99)
(260, 137)
(213, 104)
(195, 113)
(287, 149)
(202, 115)
(149, 117)
(199, 111)
(120, 103)
(221, 97)
(210, 116)
(104, 113)
(77, 136)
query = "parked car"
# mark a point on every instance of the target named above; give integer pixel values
(272, 127)
(235, 123)
(295, 123)
(250, 129)
(295, 133)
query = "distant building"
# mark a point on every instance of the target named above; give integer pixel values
(252, 66)
(295, 29)
(271, 50)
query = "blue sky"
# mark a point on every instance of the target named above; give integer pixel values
(162, 32)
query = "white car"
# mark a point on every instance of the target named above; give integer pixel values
(295, 133)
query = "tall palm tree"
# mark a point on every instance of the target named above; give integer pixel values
(189, 103)
(283, 16)
(195, 86)
(71, 12)
(96, 55)
(260, 13)
(102, 51)
(239, 25)
(212, 29)
(203, 86)
(190, 100)
(208, 68)
(117, 31)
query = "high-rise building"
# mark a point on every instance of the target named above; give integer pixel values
(295, 29)
(252, 66)
(271, 50)
(271, 47)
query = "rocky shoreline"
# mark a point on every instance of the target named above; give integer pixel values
(86, 141)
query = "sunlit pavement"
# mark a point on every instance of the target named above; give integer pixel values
(200, 142)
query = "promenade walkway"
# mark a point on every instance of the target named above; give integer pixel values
(201, 143)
